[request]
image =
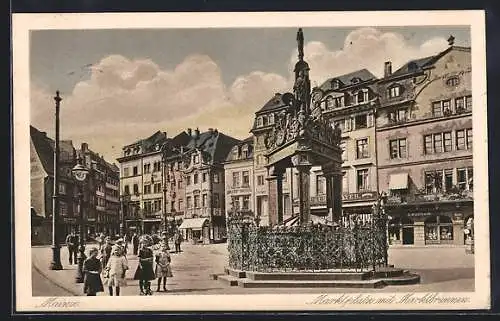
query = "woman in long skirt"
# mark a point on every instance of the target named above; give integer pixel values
(144, 272)
(92, 274)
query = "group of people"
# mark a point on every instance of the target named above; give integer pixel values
(108, 264)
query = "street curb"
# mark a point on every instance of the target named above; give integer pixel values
(54, 282)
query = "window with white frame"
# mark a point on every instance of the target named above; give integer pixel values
(394, 91)
(204, 200)
(147, 189)
(189, 202)
(260, 180)
(236, 179)
(362, 180)
(398, 148)
(362, 148)
(320, 185)
(197, 201)
(246, 178)
(246, 202)
(399, 115)
(147, 168)
(362, 96)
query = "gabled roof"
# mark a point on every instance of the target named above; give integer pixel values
(214, 143)
(412, 66)
(274, 103)
(246, 142)
(363, 75)
(44, 147)
(417, 65)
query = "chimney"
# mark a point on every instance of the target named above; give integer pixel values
(387, 69)
(196, 133)
(211, 131)
(216, 131)
(85, 147)
(189, 131)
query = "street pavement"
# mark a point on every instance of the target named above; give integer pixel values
(442, 269)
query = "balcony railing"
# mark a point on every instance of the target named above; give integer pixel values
(430, 197)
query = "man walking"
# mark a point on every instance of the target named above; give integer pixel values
(72, 244)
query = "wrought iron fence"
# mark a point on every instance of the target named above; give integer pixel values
(306, 248)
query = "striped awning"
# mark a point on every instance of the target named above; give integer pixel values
(193, 223)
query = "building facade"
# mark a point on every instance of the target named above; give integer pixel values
(141, 183)
(202, 171)
(240, 179)
(263, 123)
(42, 187)
(349, 101)
(101, 193)
(424, 134)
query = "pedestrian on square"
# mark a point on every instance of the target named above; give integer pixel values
(92, 283)
(163, 269)
(72, 244)
(106, 251)
(177, 241)
(144, 272)
(115, 271)
(122, 246)
(135, 243)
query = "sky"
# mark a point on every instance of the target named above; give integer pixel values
(119, 86)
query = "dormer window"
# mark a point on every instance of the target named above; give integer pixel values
(452, 81)
(412, 66)
(394, 91)
(271, 119)
(330, 102)
(244, 153)
(362, 96)
(259, 121)
(264, 120)
(355, 80)
(196, 158)
(335, 84)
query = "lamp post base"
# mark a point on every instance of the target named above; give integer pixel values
(55, 264)
(80, 259)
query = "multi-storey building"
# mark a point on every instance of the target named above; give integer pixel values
(202, 171)
(42, 186)
(141, 181)
(102, 193)
(349, 101)
(239, 178)
(424, 134)
(263, 123)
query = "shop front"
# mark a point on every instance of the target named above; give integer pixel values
(196, 230)
(151, 225)
(428, 224)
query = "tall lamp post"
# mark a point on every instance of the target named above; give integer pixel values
(125, 199)
(80, 174)
(55, 264)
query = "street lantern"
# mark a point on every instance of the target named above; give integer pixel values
(80, 174)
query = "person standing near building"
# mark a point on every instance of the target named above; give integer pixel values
(72, 244)
(92, 283)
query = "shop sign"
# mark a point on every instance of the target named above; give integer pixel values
(243, 190)
(350, 197)
(415, 214)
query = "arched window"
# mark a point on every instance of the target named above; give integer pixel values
(452, 81)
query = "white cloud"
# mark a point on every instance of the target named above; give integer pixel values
(125, 99)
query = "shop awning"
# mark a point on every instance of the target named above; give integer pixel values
(193, 223)
(398, 181)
